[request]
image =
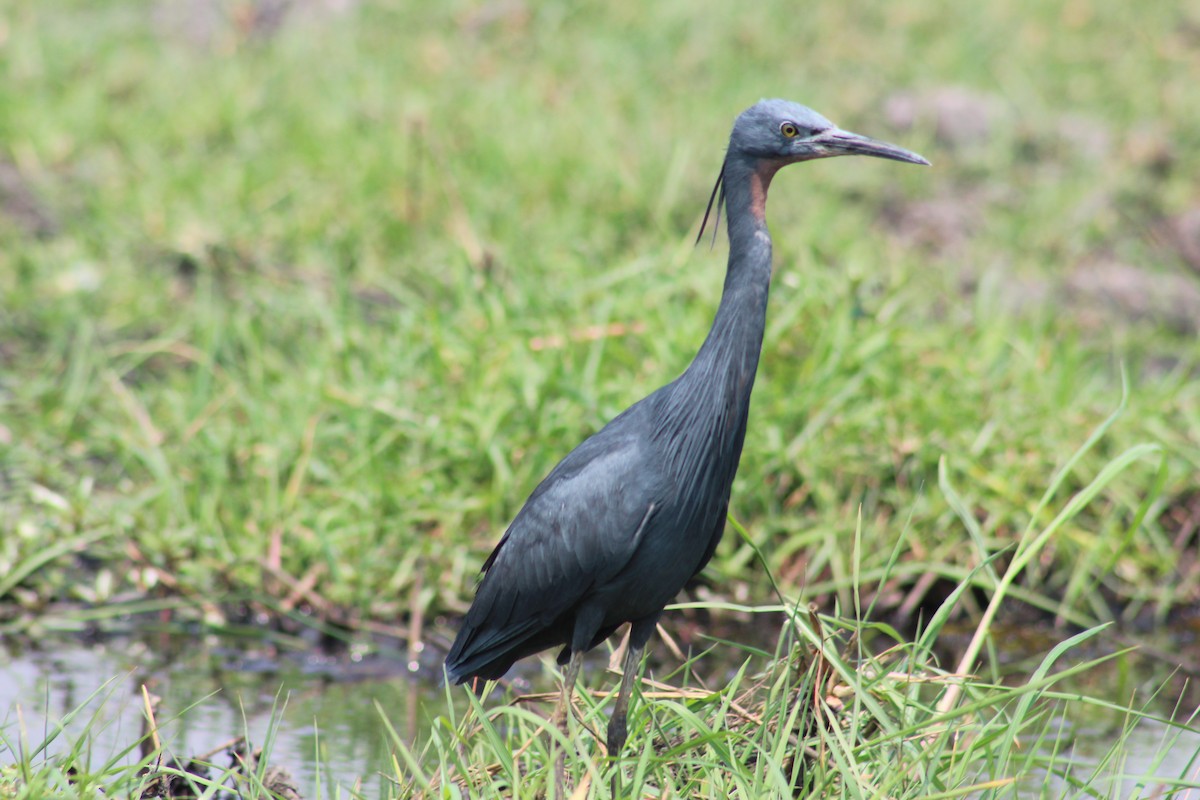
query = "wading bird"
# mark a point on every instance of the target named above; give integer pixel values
(631, 514)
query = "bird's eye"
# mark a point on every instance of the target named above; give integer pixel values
(789, 130)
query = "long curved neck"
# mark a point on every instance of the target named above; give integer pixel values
(710, 402)
(734, 342)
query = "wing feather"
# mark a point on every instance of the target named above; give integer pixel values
(578, 530)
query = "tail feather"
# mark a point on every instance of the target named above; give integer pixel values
(488, 653)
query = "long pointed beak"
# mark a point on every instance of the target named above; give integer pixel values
(837, 142)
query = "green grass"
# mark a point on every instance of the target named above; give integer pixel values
(347, 310)
(814, 724)
(320, 303)
(832, 716)
(827, 716)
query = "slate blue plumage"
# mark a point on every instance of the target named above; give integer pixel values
(627, 518)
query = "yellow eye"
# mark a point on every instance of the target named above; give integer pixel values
(789, 130)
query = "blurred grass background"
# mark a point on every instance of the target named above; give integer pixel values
(313, 293)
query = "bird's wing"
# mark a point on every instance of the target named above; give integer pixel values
(577, 530)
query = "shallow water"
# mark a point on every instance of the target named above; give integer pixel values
(327, 731)
(326, 728)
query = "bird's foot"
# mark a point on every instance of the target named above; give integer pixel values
(616, 735)
(616, 742)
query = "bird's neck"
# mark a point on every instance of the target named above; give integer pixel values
(713, 394)
(735, 339)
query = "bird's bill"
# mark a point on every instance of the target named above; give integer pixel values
(837, 142)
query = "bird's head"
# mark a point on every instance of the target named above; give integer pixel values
(774, 133)
(780, 132)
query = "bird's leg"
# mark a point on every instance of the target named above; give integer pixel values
(639, 634)
(617, 723)
(568, 689)
(562, 715)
